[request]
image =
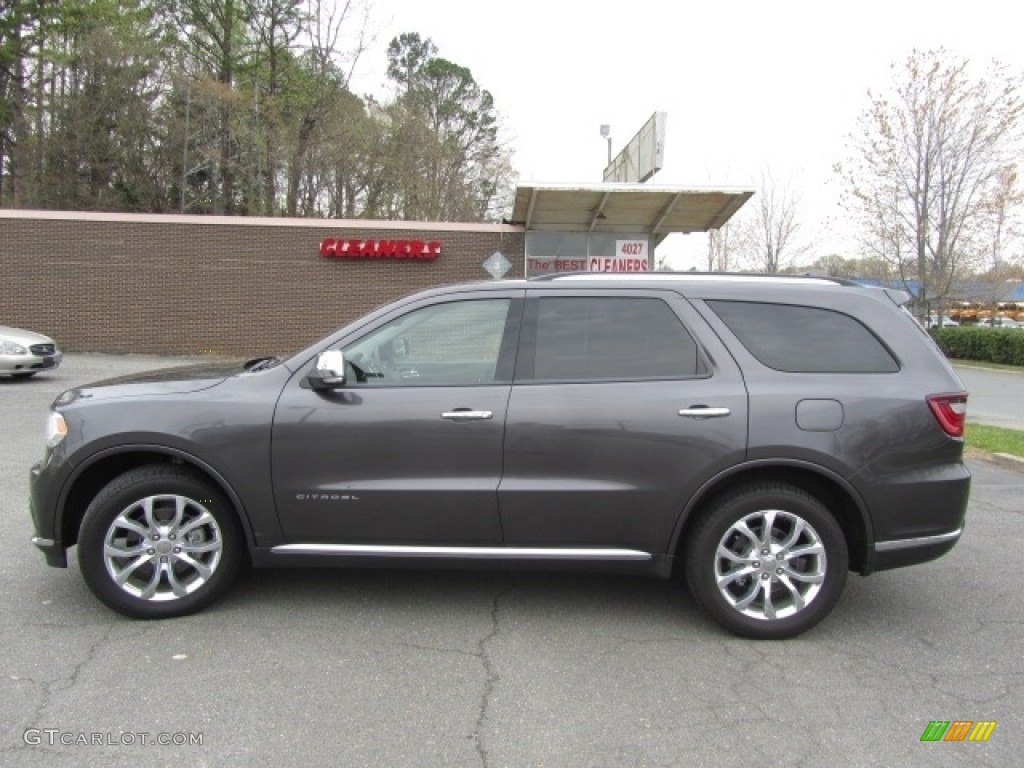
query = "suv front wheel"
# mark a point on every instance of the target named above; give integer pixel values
(159, 541)
(767, 561)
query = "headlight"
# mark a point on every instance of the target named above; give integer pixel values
(10, 348)
(56, 429)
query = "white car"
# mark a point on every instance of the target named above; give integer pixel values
(24, 353)
(1000, 322)
(940, 322)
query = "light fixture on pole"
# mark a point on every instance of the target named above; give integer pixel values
(606, 131)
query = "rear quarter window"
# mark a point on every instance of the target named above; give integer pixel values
(800, 339)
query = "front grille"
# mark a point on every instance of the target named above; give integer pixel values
(43, 349)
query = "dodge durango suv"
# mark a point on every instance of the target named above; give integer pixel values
(760, 435)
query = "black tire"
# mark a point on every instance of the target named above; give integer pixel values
(174, 563)
(24, 374)
(784, 598)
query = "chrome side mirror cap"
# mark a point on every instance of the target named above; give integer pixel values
(329, 372)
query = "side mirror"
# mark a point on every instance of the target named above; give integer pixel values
(329, 372)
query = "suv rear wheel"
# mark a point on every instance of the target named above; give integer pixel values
(159, 541)
(767, 561)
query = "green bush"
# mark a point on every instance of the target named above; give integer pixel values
(990, 345)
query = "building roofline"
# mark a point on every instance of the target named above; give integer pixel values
(253, 221)
(611, 208)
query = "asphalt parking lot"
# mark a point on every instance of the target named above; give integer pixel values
(385, 668)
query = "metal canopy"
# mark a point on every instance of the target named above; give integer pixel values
(656, 210)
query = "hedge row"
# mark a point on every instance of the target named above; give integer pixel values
(991, 345)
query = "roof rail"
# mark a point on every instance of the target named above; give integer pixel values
(691, 276)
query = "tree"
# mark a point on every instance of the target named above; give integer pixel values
(994, 283)
(236, 106)
(925, 163)
(724, 246)
(24, 68)
(216, 31)
(77, 85)
(322, 90)
(1004, 206)
(408, 54)
(443, 137)
(835, 265)
(276, 26)
(98, 146)
(769, 226)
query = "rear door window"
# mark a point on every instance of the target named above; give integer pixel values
(590, 338)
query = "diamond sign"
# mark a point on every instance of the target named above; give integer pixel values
(497, 265)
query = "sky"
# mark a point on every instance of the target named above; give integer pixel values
(748, 86)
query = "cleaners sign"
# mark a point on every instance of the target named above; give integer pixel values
(419, 250)
(630, 256)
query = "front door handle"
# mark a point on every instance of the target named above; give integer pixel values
(704, 412)
(465, 414)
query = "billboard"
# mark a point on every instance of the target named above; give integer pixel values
(643, 156)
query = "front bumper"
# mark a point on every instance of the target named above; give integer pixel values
(47, 539)
(28, 363)
(54, 552)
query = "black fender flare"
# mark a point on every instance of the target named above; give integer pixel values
(81, 468)
(710, 486)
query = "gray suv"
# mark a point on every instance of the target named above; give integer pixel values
(761, 436)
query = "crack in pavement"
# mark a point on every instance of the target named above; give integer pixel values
(492, 676)
(51, 687)
(434, 649)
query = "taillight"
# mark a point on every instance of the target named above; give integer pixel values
(950, 411)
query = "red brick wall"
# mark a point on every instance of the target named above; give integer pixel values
(227, 286)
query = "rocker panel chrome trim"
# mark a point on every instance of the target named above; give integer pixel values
(507, 553)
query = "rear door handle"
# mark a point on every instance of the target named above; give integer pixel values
(703, 412)
(465, 414)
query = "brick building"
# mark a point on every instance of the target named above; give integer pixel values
(220, 285)
(168, 284)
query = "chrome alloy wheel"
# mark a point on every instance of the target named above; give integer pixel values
(770, 564)
(162, 548)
